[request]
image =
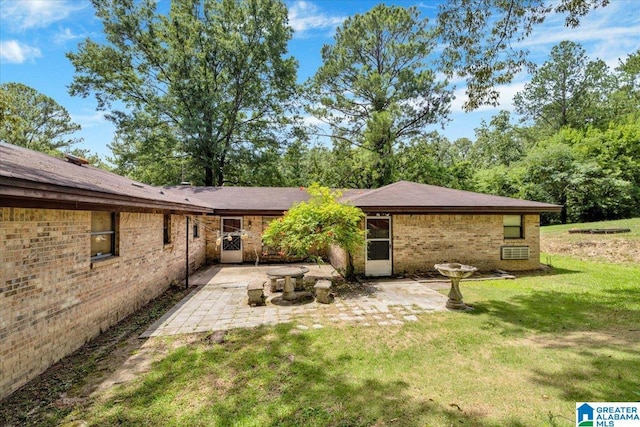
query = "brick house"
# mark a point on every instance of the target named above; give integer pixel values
(240, 215)
(80, 249)
(410, 227)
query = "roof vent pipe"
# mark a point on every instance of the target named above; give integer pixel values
(76, 160)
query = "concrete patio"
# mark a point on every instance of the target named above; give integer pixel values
(219, 302)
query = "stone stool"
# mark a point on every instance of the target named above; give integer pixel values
(298, 282)
(323, 291)
(255, 291)
(277, 285)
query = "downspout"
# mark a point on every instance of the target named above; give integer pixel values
(186, 279)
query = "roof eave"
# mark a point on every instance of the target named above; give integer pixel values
(29, 194)
(461, 209)
(248, 212)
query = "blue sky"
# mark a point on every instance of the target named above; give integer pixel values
(36, 34)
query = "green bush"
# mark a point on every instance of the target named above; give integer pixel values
(310, 228)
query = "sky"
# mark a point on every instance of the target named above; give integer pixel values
(35, 35)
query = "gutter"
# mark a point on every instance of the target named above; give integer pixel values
(468, 210)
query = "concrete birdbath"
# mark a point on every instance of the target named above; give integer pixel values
(456, 272)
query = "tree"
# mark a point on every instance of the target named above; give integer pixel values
(375, 89)
(627, 99)
(567, 90)
(498, 142)
(615, 154)
(548, 173)
(292, 167)
(434, 160)
(480, 39)
(310, 229)
(145, 149)
(597, 194)
(212, 74)
(33, 120)
(500, 180)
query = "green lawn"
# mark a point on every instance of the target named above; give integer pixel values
(533, 347)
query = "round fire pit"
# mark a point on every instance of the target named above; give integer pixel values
(456, 272)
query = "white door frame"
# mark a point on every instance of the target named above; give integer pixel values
(378, 267)
(234, 252)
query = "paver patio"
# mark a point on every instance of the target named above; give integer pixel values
(219, 302)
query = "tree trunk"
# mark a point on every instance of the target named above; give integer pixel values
(563, 212)
(384, 162)
(220, 171)
(208, 175)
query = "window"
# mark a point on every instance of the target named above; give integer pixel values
(196, 229)
(513, 227)
(103, 234)
(167, 229)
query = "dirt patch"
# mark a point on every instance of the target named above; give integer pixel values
(117, 355)
(607, 248)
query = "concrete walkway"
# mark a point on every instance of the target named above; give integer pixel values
(219, 302)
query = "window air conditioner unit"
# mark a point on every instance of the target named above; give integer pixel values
(514, 252)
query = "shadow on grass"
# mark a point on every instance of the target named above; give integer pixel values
(271, 377)
(605, 376)
(552, 271)
(599, 329)
(549, 311)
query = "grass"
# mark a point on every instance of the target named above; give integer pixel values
(621, 249)
(633, 224)
(532, 348)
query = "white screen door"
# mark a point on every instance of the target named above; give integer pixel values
(231, 240)
(378, 249)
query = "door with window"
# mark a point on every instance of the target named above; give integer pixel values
(378, 249)
(231, 240)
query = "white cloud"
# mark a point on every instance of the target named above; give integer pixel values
(14, 52)
(505, 99)
(29, 14)
(610, 33)
(90, 119)
(606, 33)
(310, 120)
(67, 35)
(305, 16)
(589, 33)
(428, 6)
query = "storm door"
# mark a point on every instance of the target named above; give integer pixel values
(231, 240)
(378, 250)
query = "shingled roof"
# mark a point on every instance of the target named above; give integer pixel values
(400, 197)
(239, 200)
(243, 200)
(32, 179)
(411, 197)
